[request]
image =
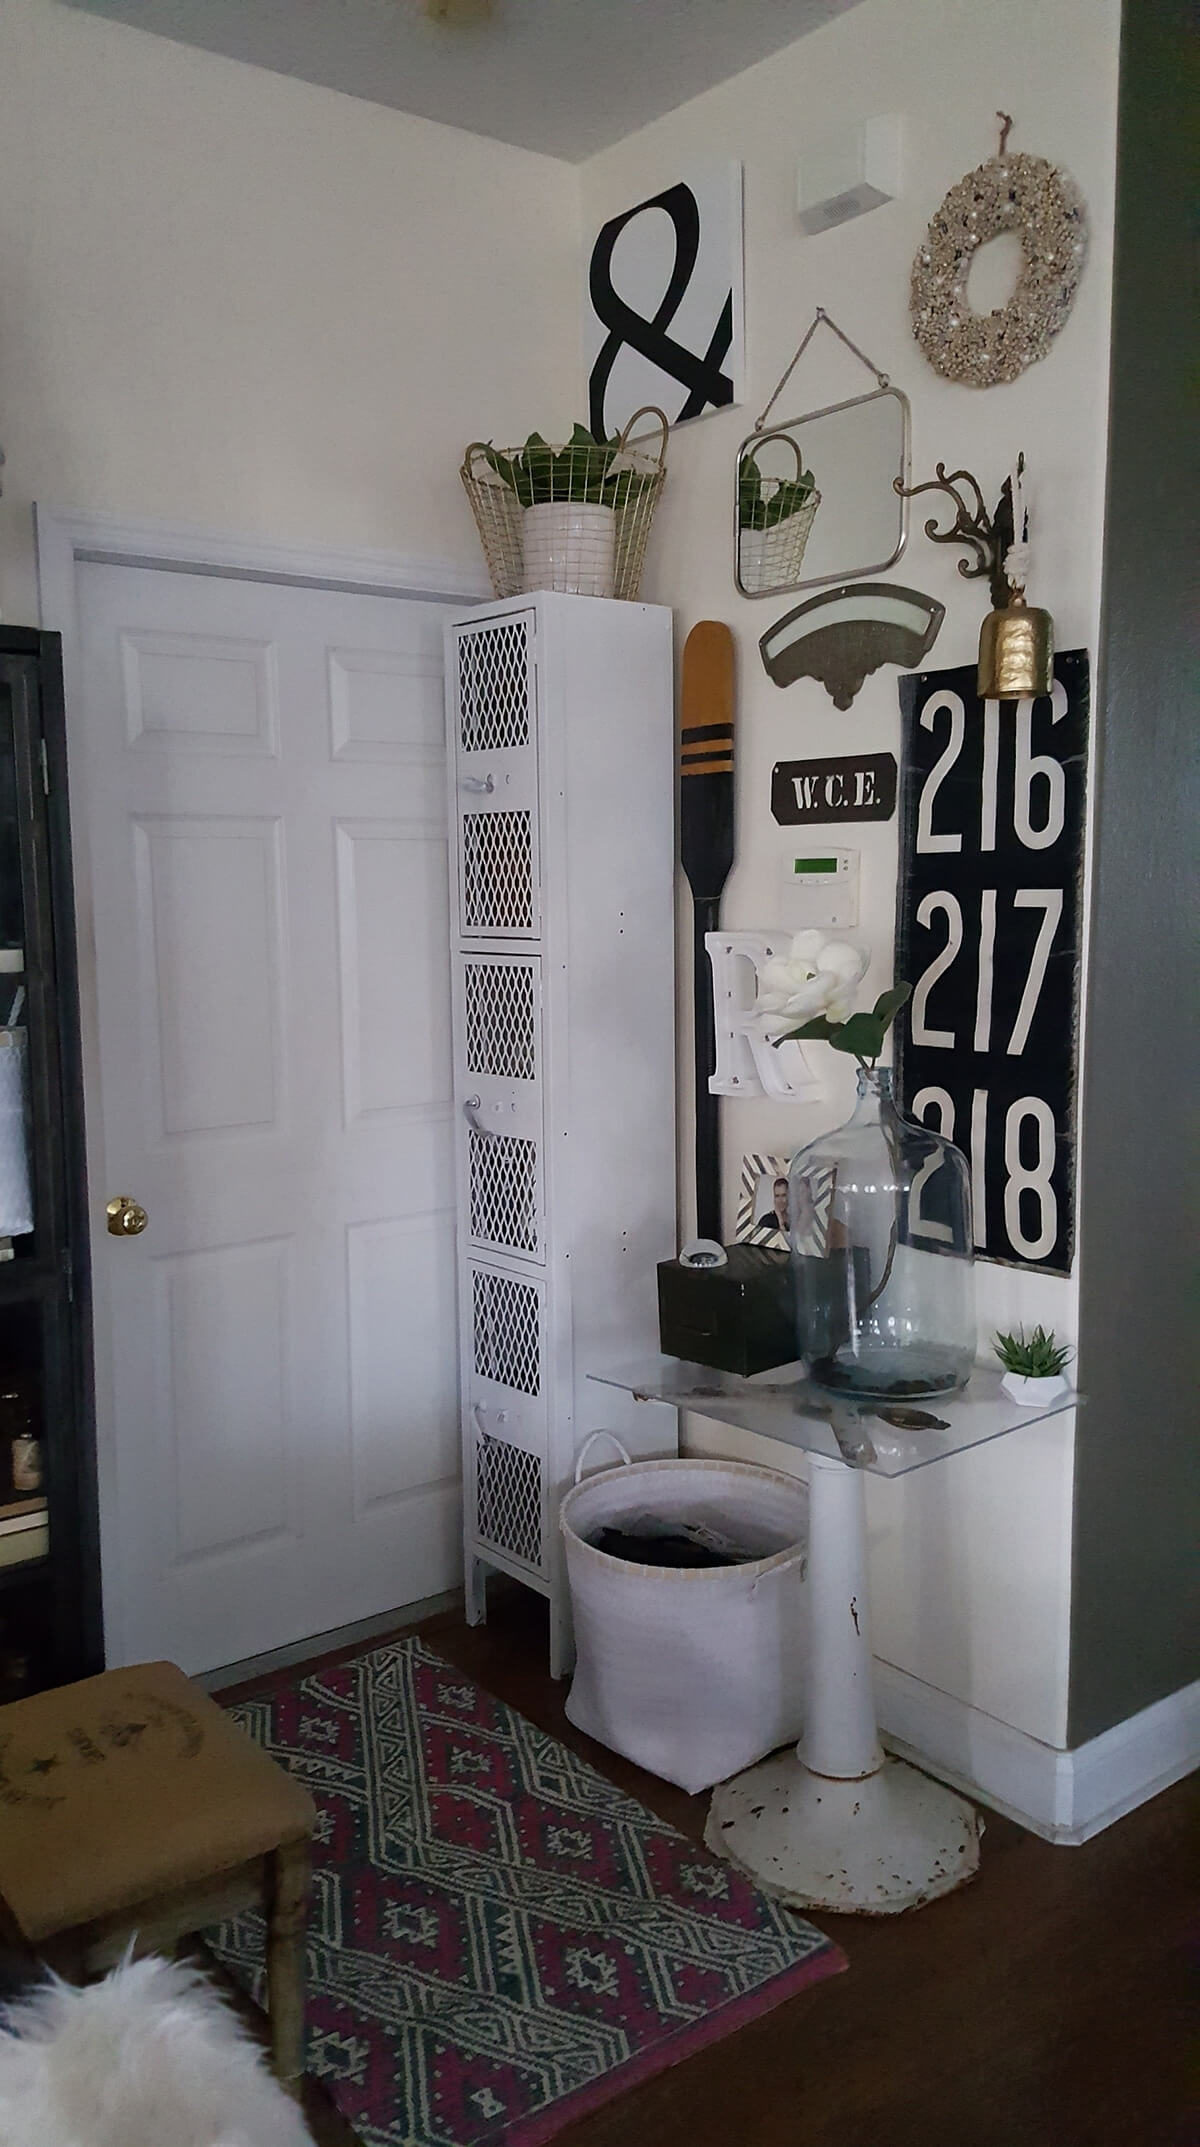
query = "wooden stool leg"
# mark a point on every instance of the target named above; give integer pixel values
(287, 1917)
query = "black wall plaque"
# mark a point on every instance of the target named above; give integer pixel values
(988, 930)
(852, 786)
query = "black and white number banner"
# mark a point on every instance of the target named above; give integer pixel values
(988, 932)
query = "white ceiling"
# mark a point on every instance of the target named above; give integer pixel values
(564, 76)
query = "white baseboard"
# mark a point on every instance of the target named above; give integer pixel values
(1065, 1796)
(343, 1636)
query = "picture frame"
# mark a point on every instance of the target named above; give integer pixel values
(663, 302)
(762, 1202)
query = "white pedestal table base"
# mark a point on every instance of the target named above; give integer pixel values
(834, 1824)
(891, 1842)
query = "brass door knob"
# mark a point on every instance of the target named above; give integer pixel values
(125, 1218)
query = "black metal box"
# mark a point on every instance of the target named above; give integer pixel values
(736, 1318)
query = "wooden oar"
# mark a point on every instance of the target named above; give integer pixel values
(706, 852)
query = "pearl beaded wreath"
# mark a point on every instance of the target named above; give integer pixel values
(1045, 208)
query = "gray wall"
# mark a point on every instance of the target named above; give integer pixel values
(1135, 1614)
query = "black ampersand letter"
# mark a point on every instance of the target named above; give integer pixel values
(703, 378)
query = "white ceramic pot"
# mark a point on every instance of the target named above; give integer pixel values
(1033, 1393)
(570, 545)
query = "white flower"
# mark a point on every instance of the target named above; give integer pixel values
(818, 976)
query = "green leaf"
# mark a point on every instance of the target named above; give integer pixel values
(889, 1003)
(579, 471)
(501, 464)
(817, 1031)
(763, 508)
(862, 1036)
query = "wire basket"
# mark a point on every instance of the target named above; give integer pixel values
(575, 517)
(770, 559)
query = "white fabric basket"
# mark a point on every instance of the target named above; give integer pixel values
(692, 1673)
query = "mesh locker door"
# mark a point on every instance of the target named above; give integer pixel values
(506, 1333)
(499, 1080)
(509, 1500)
(506, 1381)
(499, 883)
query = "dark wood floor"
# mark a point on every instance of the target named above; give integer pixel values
(1046, 2005)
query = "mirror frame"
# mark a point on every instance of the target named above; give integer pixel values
(901, 477)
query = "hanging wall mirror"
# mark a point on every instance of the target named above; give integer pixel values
(816, 497)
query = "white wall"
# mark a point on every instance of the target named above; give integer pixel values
(237, 301)
(971, 1559)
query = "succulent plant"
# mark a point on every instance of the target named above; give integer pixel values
(1033, 1356)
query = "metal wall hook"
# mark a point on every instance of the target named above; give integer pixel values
(987, 536)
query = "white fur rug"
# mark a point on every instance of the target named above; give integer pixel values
(150, 2057)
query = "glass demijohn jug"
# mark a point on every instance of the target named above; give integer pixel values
(879, 1218)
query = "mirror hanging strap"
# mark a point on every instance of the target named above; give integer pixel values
(819, 317)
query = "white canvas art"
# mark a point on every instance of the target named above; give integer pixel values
(663, 303)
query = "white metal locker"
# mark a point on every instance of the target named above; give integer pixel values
(562, 777)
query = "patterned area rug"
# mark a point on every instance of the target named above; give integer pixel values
(499, 1938)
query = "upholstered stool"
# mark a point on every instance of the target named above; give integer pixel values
(132, 1807)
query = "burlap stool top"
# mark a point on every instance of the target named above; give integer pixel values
(131, 1806)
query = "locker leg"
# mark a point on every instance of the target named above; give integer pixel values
(562, 1637)
(476, 1592)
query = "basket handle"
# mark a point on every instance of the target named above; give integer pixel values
(781, 433)
(590, 1441)
(647, 410)
(477, 447)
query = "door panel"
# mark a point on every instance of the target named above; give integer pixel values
(200, 693)
(258, 771)
(400, 1282)
(221, 1321)
(391, 1061)
(209, 903)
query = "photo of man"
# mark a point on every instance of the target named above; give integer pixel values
(773, 1204)
(767, 1223)
(774, 1212)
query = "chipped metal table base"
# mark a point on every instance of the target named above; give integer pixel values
(870, 1848)
(835, 1825)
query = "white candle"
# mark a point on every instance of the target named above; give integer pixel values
(1016, 565)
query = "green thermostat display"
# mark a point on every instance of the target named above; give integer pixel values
(821, 891)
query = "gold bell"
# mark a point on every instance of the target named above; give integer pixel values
(1016, 653)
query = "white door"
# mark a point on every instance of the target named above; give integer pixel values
(260, 773)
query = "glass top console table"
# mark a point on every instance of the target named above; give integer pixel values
(884, 1438)
(834, 1824)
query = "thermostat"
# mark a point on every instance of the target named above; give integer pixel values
(820, 887)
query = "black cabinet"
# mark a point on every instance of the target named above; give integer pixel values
(50, 1625)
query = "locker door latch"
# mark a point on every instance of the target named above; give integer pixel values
(471, 1110)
